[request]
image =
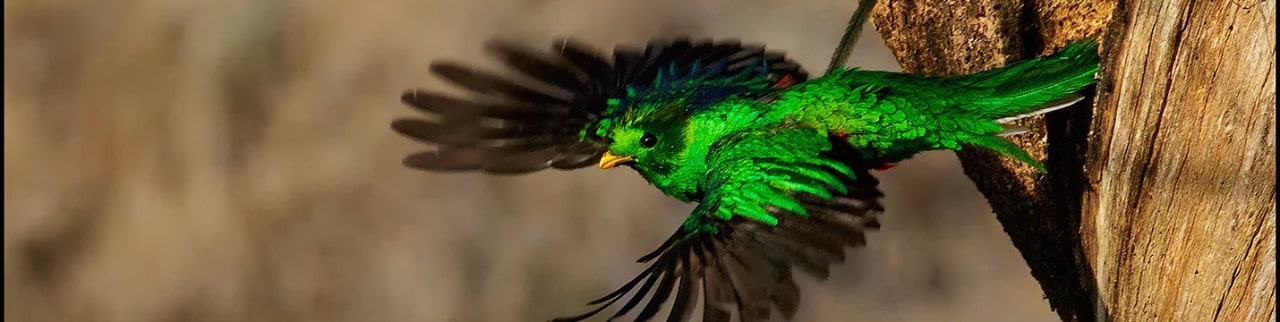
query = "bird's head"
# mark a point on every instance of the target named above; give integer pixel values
(648, 128)
(653, 142)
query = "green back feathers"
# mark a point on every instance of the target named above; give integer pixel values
(892, 116)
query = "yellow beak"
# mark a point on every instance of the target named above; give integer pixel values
(609, 160)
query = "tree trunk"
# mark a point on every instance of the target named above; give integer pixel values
(1159, 203)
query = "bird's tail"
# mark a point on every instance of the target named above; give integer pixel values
(1028, 88)
(1035, 86)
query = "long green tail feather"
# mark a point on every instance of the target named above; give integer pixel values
(999, 145)
(1032, 87)
(1028, 85)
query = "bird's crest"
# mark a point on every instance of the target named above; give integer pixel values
(687, 89)
(699, 86)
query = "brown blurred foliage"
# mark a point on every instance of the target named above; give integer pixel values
(232, 161)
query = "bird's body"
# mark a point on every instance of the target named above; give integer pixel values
(885, 116)
(777, 163)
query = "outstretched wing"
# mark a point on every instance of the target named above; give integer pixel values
(774, 200)
(547, 116)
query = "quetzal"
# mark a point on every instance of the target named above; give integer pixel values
(778, 164)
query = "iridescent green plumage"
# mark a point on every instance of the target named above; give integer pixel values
(778, 163)
(885, 116)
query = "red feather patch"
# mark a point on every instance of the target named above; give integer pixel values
(785, 82)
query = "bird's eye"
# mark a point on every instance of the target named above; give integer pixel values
(648, 140)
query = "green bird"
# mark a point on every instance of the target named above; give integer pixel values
(778, 164)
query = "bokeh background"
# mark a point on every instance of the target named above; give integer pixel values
(231, 160)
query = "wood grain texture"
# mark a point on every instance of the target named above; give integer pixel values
(1167, 189)
(1179, 214)
(952, 36)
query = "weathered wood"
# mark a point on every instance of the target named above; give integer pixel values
(1168, 192)
(1179, 212)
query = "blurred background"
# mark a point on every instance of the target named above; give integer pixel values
(198, 160)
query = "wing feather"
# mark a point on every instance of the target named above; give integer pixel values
(743, 265)
(544, 114)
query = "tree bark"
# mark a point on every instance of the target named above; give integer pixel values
(1159, 203)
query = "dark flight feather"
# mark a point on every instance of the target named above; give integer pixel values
(744, 269)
